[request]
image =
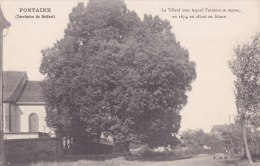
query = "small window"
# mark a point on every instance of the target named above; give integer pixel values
(33, 123)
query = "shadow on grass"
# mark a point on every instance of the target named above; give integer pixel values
(65, 160)
(235, 162)
(159, 158)
(99, 160)
(87, 157)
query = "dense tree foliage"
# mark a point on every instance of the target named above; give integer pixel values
(246, 67)
(116, 74)
(233, 137)
(197, 141)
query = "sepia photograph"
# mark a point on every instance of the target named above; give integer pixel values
(129, 83)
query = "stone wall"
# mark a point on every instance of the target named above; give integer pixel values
(27, 150)
(92, 148)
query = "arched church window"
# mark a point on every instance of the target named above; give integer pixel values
(33, 123)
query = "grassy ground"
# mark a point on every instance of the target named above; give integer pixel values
(197, 161)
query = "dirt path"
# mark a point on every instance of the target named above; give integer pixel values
(200, 161)
(197, 161)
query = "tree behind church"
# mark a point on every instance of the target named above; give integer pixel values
(116, 74)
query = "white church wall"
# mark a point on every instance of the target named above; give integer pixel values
(26, 111)
(11, 118)
(6, 117)
(14, 118)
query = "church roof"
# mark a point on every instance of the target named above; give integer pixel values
(32, 93)
(13, 83)
(220, 128)
(18, 89)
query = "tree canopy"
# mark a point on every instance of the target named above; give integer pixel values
(116, 74)
(246, 67)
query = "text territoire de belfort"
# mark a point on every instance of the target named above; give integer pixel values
(28, 13)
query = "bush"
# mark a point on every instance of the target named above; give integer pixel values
(132, 157)
(45, 155)
(150, 154)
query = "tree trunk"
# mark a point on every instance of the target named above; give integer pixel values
(246, 145)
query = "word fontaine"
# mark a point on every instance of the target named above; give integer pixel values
(34, 9)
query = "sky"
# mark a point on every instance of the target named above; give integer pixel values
(210, 43)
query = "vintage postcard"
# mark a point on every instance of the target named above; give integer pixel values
(133, 82)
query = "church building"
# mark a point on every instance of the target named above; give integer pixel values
(24, 107)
